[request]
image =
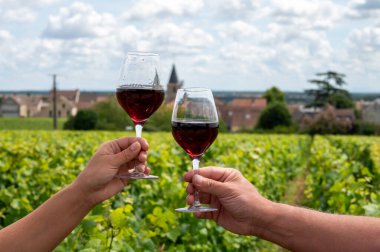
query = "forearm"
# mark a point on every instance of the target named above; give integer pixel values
(300, 229)
(48, 225)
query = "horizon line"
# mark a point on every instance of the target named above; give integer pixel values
(214, 90)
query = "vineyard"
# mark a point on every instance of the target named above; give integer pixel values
(334, 174)
(8, 123)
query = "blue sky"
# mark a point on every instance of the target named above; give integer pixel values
(223, 45)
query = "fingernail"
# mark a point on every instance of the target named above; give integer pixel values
(135, 146)
(141, 168)
(197, 180)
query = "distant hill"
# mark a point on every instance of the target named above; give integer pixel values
(290, 97)
(226, 96)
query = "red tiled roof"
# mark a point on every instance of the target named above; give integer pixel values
(88, 100)
(32, 100)
(69, 94)
(218, 102)
(249, 102)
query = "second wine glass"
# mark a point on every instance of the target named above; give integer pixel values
(140, 94)
(195, 127)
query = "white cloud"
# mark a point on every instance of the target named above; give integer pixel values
(152, 8)
(176, 39)
(78, 38)
(22, 11)
(365, 40)
(363, 9)
(244, 41)
(23, 3)
(79, 20)
(4, 36)
(20, 15)
(238, 30)
(294, 39)
(368, 5)
(239, 9)
(306, 14)
(273, 48)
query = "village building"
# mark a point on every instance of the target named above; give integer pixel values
(9, 107)
(88, 100)
(242, 113)
(295, 111)
(21, 106)
(68, 104)
(371, 111)
(305, 117)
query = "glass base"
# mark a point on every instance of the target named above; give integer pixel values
(196, 209)
(136, 176)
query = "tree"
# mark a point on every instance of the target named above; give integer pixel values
(84, 120)
(274, 115)
(160, 120)
(329, 91)
(341, 100)
(111, 116)
(222, 125)
(274, 94)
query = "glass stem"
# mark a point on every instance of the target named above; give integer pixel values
(197, 202)
(138, 129)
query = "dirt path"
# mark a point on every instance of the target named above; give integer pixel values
(295, 193)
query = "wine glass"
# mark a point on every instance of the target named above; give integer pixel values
(195, 127)
(140, 94)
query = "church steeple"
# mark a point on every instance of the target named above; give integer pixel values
(173, 76)
(173, 85)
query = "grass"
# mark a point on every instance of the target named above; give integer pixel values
(29, 123)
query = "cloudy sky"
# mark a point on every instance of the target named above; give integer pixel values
(223, 45)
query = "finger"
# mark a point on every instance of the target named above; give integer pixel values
(125, 142)
(115, 186)
(190, 189)
(147, 170)
(210, 186)
(144, 143)
(125, 181)
(215, 173)
(123, 170)
(203, 198)
(126, 155)
(141, 167)
(127, 166)
(204, 215)
(143, 156)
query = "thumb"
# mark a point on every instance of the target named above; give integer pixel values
(209, 186)
(127, 155)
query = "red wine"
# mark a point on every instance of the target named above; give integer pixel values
(194, 137)
(140, 104)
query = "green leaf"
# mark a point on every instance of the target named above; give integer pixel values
(118, 218)
(173, 234)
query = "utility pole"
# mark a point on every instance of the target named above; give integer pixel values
(54, 101)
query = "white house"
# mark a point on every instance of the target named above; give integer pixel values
(9, 107)
(371, 111)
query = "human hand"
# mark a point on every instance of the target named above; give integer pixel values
(241, 208)
(98, 182)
